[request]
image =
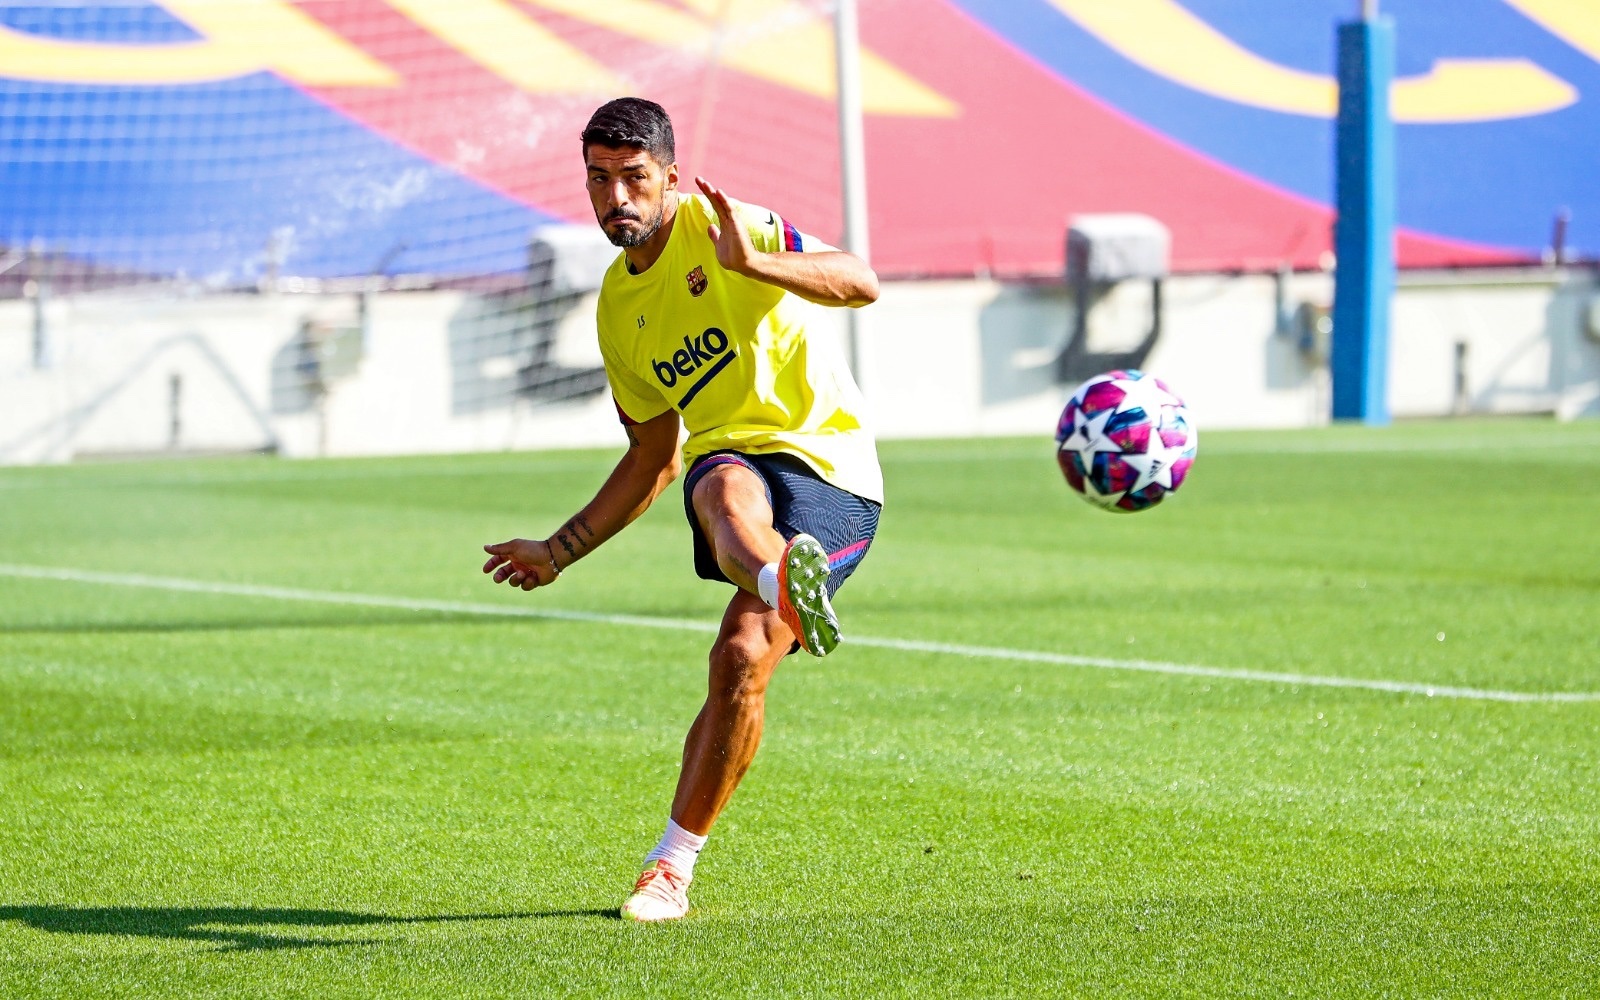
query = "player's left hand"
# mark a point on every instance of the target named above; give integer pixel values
(521, 562)
(735, 250)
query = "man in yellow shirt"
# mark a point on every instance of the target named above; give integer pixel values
(703, 324)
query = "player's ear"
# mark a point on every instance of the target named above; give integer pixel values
(670, 177)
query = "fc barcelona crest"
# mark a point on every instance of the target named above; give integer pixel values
(697, 281)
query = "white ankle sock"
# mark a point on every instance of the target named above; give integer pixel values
(679, 848)
(767, 584)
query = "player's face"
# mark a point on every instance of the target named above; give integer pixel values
(628, 190)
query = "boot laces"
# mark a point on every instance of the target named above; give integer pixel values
(661, 882)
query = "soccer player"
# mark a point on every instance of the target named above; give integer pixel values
(705, 321)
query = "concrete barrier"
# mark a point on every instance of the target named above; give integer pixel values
(131, 372)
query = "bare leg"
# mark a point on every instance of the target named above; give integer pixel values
(723, 740)
(737, 520)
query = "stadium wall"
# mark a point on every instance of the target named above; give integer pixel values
(131, 372)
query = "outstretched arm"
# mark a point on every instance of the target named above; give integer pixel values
(650, 463)
(832, 278)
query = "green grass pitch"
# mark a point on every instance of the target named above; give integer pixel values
(205, 793)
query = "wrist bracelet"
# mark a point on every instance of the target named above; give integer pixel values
(551, 550)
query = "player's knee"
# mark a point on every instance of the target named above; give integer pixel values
(739, 671)
(726, 491)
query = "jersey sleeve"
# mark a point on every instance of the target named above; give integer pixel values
(772, 233)
(637, 401)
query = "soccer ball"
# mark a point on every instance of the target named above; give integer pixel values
(1125, 441)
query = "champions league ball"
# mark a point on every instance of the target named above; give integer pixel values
(1125, 441)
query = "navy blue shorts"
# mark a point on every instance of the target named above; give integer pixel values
(802, 501)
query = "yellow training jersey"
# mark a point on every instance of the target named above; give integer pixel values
(733, 355)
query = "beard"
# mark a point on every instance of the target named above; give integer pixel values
(631, 237)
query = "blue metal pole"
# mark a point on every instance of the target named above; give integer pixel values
(1363, 239)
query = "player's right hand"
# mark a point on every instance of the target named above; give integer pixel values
(735, 249)
(521, 562)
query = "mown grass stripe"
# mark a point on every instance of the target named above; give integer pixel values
(686, 625)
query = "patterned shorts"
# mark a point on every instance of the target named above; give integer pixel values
(802, 501)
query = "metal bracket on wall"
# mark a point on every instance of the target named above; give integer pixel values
(1102, 252)
(1077, 362)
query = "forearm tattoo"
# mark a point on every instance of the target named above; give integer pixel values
(575, 537)
(566, 543)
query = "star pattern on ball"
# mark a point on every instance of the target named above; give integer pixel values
(1154, 463)
(1144, 393)
(1088, 437)
(1133, 393)
(1164, 397)
(1092, 493)
(1123, 415)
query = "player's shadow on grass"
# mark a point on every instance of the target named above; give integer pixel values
(238, 929)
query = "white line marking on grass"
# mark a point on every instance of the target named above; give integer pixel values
(686, 625)
(344, 597)
(1224, 673)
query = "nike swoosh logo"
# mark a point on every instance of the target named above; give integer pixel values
(771, 218)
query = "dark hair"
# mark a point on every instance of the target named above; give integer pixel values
(633, 121)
